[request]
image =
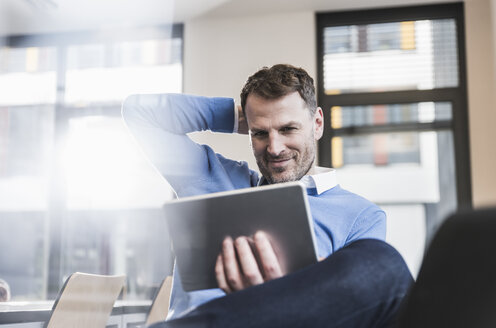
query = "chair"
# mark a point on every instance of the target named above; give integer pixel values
(85, 301)
(456, 285)
(160, 306)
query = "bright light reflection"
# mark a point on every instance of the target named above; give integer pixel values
(27, 88)
(110, 84)
(105, 170)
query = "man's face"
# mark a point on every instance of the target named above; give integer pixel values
(283, 134)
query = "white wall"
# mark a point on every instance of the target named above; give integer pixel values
(480, 27)
(493, 22)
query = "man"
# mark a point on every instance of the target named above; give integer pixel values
(279, 111)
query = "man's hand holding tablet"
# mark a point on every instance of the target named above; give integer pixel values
(246, 262)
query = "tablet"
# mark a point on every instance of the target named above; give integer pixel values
(198, 225)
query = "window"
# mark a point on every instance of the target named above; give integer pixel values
(392, 86)
(374, 55)
(71, 176)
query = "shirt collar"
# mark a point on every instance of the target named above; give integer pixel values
(322, 180)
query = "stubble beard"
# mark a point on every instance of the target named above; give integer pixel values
(302, 167)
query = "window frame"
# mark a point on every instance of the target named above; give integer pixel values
(63, 113)
(457, 96)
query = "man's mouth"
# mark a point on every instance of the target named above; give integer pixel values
(279, 162)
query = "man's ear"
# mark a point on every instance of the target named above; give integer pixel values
(318, 123)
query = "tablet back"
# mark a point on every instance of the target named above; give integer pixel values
(198, 225)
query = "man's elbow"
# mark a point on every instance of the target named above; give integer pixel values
(129, 106)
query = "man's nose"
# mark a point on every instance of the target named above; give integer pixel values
(276, 145)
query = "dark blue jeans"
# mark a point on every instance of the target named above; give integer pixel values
(361, 285)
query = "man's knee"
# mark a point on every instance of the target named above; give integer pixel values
(372, 267)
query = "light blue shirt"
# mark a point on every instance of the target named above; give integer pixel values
(160, 123)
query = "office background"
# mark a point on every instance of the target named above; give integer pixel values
(75, 192)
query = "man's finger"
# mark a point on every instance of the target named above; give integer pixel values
(221, 276)
(231, 267)
(249, 267)
(268, 258)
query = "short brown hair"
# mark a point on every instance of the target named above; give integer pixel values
(278, 81)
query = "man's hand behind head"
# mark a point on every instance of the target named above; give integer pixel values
(242, 124)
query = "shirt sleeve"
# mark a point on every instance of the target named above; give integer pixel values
(160, 123)
(369, 224)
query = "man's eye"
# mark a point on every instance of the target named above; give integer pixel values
(288, 129)
(259, 133)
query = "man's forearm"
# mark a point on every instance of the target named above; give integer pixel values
(179, 113)
(160, 123)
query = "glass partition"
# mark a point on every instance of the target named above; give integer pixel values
(76, 192)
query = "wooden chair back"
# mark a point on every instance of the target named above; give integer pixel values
(85, 301)
(160, 306)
